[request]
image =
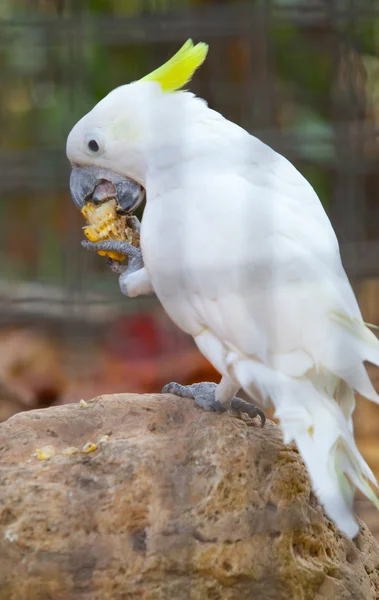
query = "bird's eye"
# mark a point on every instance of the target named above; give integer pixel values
(94, 142)
(93, 146)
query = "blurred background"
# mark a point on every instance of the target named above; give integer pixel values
(303, 75)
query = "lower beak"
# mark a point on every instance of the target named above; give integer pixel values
(93, 184)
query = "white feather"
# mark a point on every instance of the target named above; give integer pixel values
(261, 271)
(243, 257)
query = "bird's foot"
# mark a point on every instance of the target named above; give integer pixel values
(204, 395)
(240, 407)
(134, 255)
(135, 226)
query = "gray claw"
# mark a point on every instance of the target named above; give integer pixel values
(249, 409)
(183, 391)
(116, 266)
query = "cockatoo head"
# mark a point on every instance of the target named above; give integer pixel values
(108, 147)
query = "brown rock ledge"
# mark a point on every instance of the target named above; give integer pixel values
(177, 504)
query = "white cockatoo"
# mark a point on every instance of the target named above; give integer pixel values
(238, 249)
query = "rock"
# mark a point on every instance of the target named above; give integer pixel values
(175, 504)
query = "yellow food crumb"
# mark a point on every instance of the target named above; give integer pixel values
(89, 447)
(71, 450)
(83, 404)
(103, 439)
(45, 453)
(105, 224)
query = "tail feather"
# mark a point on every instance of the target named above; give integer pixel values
(357, 378)
(345, 398)
(355, 335)
(360, 330)
(322, 432)
(356, 469)
(354, 344)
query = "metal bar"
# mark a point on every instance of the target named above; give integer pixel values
(41, 170)
(176, 25)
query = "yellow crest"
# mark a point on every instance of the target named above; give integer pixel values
(178, 71)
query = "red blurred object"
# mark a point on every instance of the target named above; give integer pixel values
(146, 335)
(147, 351)
(137, 353)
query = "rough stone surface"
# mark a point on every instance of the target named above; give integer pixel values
(177, 504)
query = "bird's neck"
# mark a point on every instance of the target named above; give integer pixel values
(204, 141)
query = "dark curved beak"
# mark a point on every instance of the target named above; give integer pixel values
(93, 184)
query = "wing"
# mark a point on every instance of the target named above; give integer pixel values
(261, 270)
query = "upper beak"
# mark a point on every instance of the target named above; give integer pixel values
(93, 184)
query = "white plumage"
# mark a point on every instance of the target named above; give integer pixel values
(242, 257)
(256, 265)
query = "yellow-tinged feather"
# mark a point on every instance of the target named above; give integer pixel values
(356, 327)
(370, 493)
(178, 71)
